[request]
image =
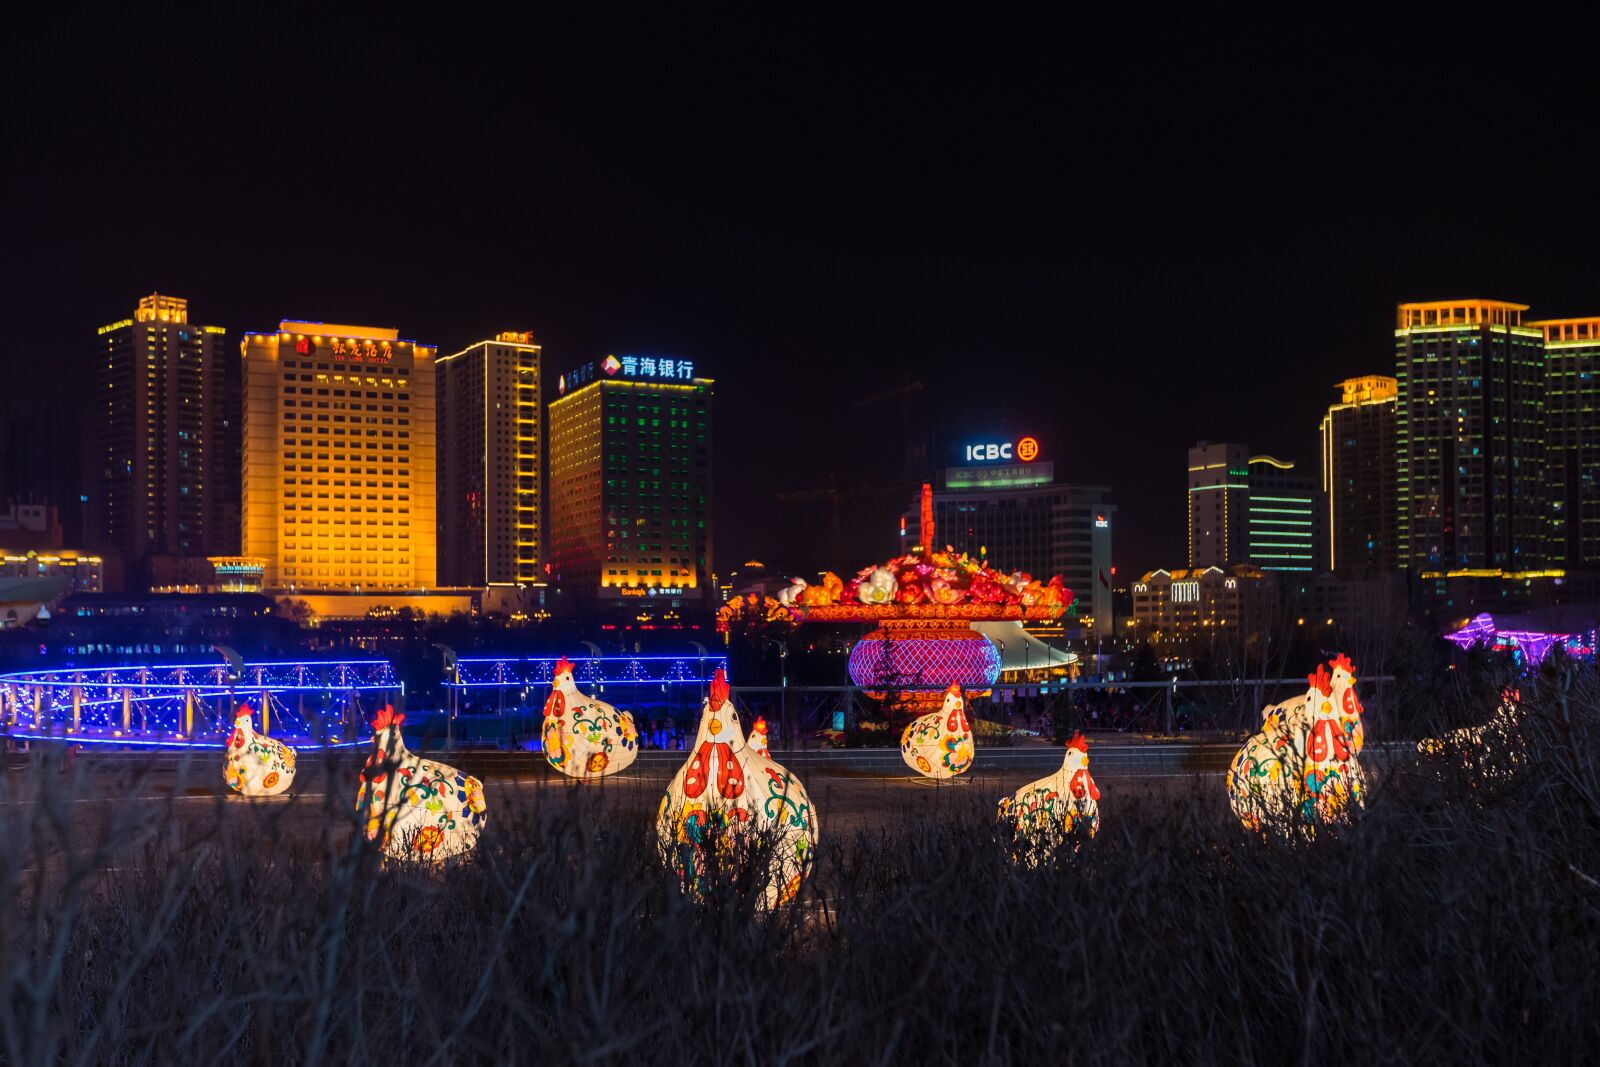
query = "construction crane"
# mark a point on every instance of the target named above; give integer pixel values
(835, 498)
(912, 427)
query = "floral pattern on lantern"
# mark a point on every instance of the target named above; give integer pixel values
(1063, 806)
(585, 737)
(729, 802)
(416, 809)
(256, 765)
(1300, 772)
(940, 743)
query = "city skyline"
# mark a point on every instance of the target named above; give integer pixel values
(1042, 264)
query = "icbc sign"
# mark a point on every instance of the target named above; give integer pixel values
(1026, 450)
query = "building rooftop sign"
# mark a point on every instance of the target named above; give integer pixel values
(1014, 476)
(628, 368)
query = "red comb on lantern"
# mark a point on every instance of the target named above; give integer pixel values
(1341, 662)
(1080, 743)
(388, 717)
(719, 689)
(244, 712)
(954, 690)
(760, 726)
(563, 666)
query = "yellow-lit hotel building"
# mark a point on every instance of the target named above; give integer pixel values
(630, 480)
(491, 423)
(338, 491)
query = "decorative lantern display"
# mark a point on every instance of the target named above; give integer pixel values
(939, 744)
(924, 603)
(256, 765)
(417, 809)
(1063, 805)
(1300, 772)
(1478, 746)
(585, 737)
(729, 801)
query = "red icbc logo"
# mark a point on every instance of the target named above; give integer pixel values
(1028, 450)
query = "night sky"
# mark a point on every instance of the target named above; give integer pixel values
(1115, 237)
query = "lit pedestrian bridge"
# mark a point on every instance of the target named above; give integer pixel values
(309, 703)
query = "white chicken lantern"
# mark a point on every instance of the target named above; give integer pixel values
(416, 809)
(729, 801)
(757, 741)
(939, 744)
(585, 737)
(1063, 805)
(1491, 749)
(1300, 771)
(256, 765)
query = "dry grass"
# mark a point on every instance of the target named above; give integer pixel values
(1457, 922)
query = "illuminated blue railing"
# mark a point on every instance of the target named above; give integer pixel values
(179, 705)
(515, 673)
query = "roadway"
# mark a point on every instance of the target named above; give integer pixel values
(851, 790)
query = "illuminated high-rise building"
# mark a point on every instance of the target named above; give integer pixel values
(1002, 501)
(1469, 437)
(168, 435)
(1358, 477)
(630, 480)
(1283, 527)
(1572, 438)
(339, 458)
(1219, 502)
(490, 428)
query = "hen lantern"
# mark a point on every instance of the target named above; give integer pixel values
(729, 797)
(585, 737)
(1491, 749)
(1300, 772)
(757, 741)
(415, 808)
(1066, 803)
(939, 744)
(256, 766)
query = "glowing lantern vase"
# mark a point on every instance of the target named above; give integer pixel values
(730, 802)
(256, 766)
(924, 653)
(1300, 772)
(415, 808)
(585, 737)
(939, 744)
(1065, 804)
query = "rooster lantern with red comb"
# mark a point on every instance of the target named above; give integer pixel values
(416, 809)
(730, 803)
(585, 737)
(1064, 805)
(256, 765)
(1300, 772)
(939, 744)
